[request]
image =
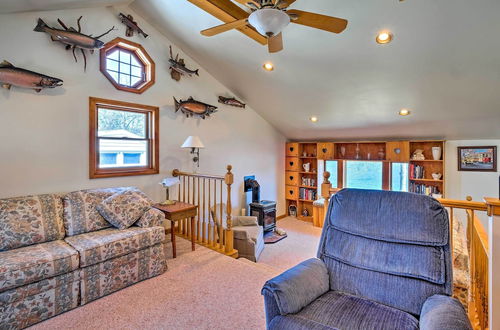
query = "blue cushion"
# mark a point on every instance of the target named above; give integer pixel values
(292, 322)
(299, 286)
(387, 257)
(346, 312)
(390, 216)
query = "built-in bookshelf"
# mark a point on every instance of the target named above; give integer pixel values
(301, 176)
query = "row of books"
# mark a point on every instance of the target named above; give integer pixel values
(309, 194)
(416, 171)
(423, 189)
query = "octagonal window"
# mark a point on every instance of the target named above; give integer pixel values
(127, 66)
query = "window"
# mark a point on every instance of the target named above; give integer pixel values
(399, 177)
(363, 174)
(123, 138)
(332, 167)
(127, 66)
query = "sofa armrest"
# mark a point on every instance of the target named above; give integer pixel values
(298, 286)
(241, 220)
(443, 313)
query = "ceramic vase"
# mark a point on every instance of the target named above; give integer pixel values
(307, 167)
(436, 153)
(342, 152)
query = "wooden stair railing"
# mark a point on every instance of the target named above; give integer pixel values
(208, 192)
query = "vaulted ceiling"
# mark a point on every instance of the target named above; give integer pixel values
(443, 65)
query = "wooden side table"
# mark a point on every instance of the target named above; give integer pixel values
(176, 212)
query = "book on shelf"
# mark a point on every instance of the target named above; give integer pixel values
(423, 189)
(417, 171)
(308, 194)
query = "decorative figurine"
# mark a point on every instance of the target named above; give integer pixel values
(72, 38)
(131, 25)
(191, 108)
(178, 68)
(357, 156)
(12, 76)
(231, 101)
(381, 153)
(436, 176)
(418, 154)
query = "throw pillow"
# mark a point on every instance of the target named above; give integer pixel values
(124, 208)
(153, 217)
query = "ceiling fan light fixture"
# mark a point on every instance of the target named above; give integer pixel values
(269, 21)
(384, 37)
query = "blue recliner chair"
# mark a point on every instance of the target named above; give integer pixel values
(383, 263)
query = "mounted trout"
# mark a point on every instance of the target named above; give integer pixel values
(231, 101)
(178, 68)
(72, 38)
(132, 26)
(12, 76)
(191, 108)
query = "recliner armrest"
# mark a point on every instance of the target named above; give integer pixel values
(443, 313)
(298, 286)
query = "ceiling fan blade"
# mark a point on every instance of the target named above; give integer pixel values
(255, 3)
(285, 3)
(224, 27)
(318, 21)
(275, 43)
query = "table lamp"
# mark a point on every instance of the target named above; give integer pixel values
(168, 183)
(195, 144)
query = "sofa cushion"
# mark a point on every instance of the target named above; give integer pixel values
(105, 244)
(347, 312)
(123, 209)
(36, 262)
(153, 217)
(80, 213)
(30, 220)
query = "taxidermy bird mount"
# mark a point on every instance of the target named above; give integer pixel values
(73, 38)
(270, 17)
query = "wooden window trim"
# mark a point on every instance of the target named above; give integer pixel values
(140, 53)
(152, 138)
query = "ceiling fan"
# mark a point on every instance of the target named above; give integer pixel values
(270, 17)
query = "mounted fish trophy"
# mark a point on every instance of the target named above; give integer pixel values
(132, 26)
(231, 101)
(73, 38)
(191, 108)
(12, 76)
(178, 68)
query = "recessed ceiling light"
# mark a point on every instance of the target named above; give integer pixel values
(268, 66)
(313, 119)
(404, 112)
(384, 37)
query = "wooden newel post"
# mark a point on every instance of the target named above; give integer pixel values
(229, 179)
(326, 186)
(493, 209)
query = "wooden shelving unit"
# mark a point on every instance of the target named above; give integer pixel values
(387, 152)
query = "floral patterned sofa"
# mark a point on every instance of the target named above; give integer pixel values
(57, 252)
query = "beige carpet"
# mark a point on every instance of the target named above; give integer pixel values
(200, 290)
(301, 244)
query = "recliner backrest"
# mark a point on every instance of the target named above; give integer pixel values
(391, 247)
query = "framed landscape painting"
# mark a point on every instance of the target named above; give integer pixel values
(477, 159)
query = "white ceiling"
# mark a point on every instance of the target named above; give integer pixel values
(444, 65)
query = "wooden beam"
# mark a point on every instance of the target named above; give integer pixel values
(227, 11)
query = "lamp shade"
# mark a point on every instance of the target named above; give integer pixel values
(269, 21)
(193, 142)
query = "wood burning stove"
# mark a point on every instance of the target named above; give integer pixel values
(265, 211)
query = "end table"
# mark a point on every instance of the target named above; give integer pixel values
(177, 212)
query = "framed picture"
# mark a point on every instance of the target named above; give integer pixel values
(482, 159)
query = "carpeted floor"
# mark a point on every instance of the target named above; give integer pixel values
(200, 290)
